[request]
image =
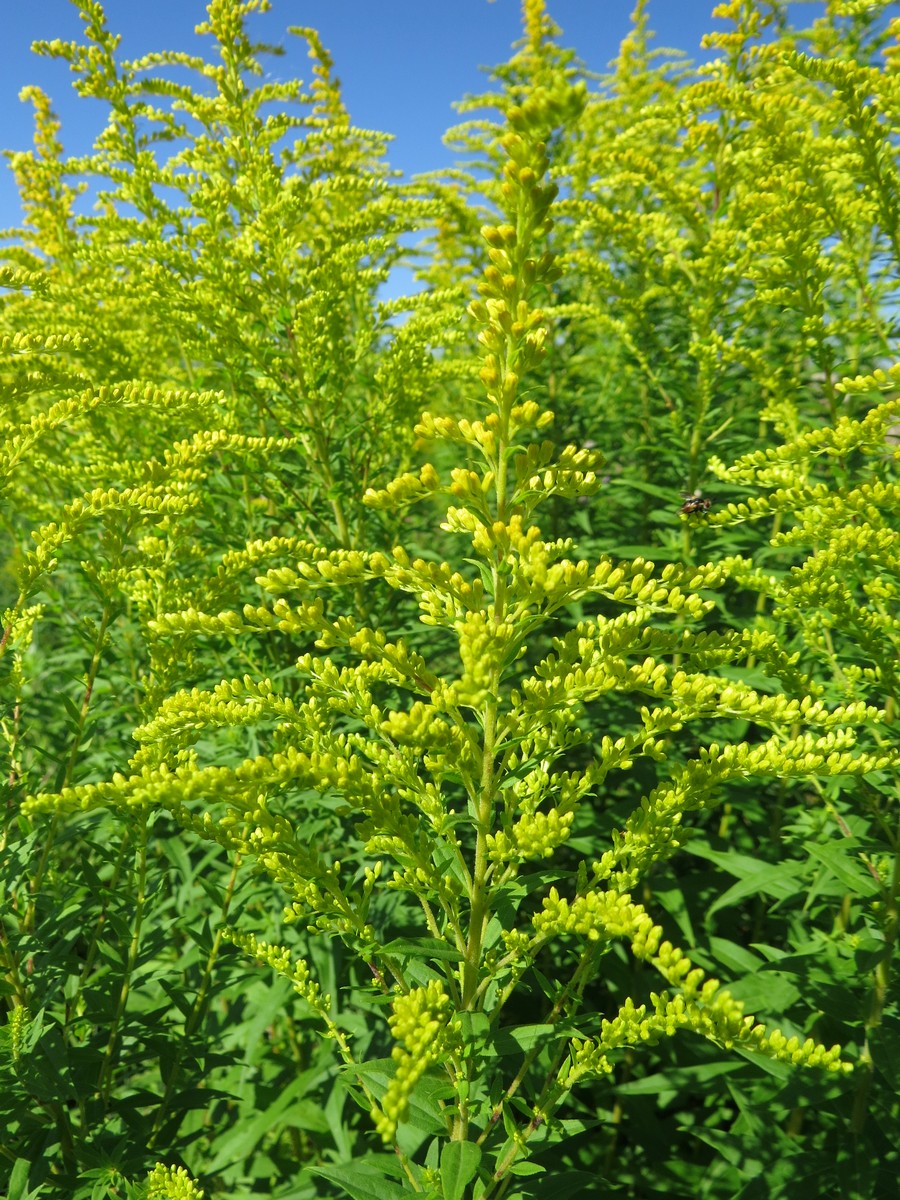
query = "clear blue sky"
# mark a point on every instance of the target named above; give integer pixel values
(402, 63)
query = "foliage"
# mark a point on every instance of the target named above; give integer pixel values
(380, 814)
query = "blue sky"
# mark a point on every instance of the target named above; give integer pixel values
(402, 63)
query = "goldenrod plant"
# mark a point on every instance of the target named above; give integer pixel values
(365, 838)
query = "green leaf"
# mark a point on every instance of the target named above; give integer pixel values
(424, 947)
(738, 959)
(526, 1037)
(677, 1079)
(18, 1181)
(459, 1162)
(366, 1178)
(287, 1110)
(527, 1168)
(768, 991)
(841, 859)
(754, 877)
(557, 1185)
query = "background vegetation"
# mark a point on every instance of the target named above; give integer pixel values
(329, 871)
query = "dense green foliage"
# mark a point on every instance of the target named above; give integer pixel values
(404, 796)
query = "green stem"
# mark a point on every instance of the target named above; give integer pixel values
(198, 1008)
(106, 1071)
(90, 681)
(880, 990)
